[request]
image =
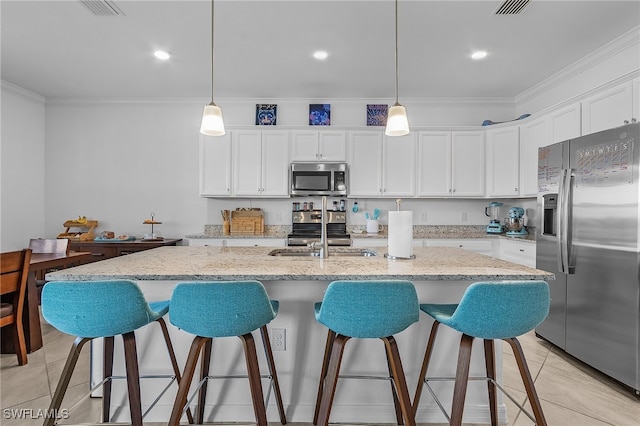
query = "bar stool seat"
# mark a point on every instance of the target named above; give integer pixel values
(94, 309)
(365, 309)
(488, 310)
(224, 309)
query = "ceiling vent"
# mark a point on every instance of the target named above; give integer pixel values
(102, 7)
(511, 7)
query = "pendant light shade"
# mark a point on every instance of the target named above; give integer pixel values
(397, 122)
(212, 122)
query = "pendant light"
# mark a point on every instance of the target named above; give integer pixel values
(397, 122)
(212, 123)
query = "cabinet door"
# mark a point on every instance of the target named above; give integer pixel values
(399, 162)
(365, 163)
(467, 164)
(332, 145)
(636, 100)
(247, 162)
(304, 145)
(533, 135)
(275, 164)
(503, 162)
(215, 166)
(565, 123)
(523, 253)
(607, 109)
(434, 164)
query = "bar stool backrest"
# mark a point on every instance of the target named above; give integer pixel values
(221, 308)
(96, 308)
(369, 309)
(498, 310)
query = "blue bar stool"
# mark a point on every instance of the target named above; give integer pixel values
(489, 311)
(224, 309)
(106, 309)
(365, 309)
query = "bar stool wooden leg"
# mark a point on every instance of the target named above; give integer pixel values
(65, 378)
(107, 372)
(133, 378)
(172, 357)
(527, 380)
(205, 365)
(266, 342)
(425, 365)
(331, 336)
(189, 369)
(462, 378)
(254, 378)
(333, 370)
(399, 380)
(490, 363)
(396, 402)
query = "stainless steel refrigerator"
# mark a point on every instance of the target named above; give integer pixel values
(588, 236)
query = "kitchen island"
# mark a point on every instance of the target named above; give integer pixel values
(441, 275)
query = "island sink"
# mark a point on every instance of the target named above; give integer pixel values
(301, 252)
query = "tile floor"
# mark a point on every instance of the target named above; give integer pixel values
(572, 393)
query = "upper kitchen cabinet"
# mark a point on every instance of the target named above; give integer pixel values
(381, 166)
(503, 161)
(451, 164)
(565, 123)
(318, 145)
(534, 134)
(260, 163)
(608, 109)
(215, 166)
(434, 159)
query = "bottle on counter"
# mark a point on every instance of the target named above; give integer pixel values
(335, 206)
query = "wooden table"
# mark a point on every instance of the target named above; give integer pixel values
(40, 262)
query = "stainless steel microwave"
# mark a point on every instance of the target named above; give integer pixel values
(308, 179)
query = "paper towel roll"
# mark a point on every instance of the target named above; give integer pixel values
(401, 234)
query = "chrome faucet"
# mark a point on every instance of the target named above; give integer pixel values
(324, 249)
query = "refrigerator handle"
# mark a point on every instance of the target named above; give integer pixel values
(564, 219)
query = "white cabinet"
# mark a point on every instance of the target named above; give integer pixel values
(381, 166)
(467, 164)
(533, 135)
(565, 123)
(451, 164)
(607, 109)
(215, 166)
(503, 161)
(434, 164)
(260, 163)
(237, 242)
(521, 252)
(477, 245)
(318, 145)
(636, 99)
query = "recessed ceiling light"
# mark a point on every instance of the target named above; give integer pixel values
(320, 55)
(479, 54)
(162, 55)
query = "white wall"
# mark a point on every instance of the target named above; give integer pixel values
(22, 167)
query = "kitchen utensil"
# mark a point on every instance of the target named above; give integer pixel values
(376, 214)
(366, 215)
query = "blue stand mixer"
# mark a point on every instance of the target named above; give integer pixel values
(515, 222)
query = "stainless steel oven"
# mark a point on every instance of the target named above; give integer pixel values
(306, 228)
(310, 179)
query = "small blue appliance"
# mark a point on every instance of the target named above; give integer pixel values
(515, 222)
(493, 211)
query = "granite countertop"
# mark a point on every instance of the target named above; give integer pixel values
(236, 263)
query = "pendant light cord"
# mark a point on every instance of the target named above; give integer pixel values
(396, 52)
(212, 41)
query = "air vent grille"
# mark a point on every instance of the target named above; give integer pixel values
(511, 7)
(102, 7)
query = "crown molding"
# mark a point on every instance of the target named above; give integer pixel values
(23, 92)
(629, 39)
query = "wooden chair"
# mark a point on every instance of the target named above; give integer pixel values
(14, 270)
(47, 245)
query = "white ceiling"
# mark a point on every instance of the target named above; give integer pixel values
(59, 49)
